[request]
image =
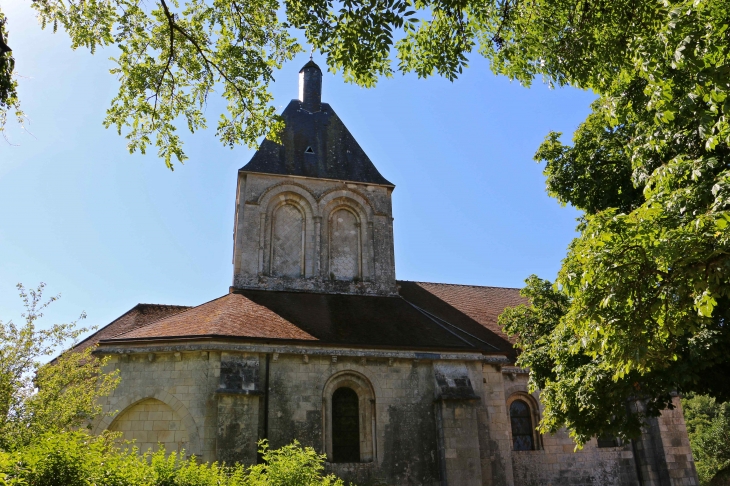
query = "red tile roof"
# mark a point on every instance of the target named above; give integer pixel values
(138, 316)
(426, 315)
(230, 315)
(483, 304)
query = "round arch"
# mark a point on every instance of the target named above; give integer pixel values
(534, 407)
(284, 188)
(173, 403)
(365, 391)
(301, 200)
(346, 197)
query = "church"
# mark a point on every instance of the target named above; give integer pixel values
(396, 382)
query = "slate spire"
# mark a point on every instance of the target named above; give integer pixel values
(310, 87)
(314, 142)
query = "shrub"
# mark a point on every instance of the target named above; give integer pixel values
(708, 426)
(79, 459)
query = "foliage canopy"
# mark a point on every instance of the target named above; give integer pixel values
(641, 304)
(38, 398)
(645, 285)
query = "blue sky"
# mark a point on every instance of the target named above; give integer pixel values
(108, 230)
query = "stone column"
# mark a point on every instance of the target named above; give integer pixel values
(262, 242)
(317, 246)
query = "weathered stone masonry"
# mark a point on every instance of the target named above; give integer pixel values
(397, 383)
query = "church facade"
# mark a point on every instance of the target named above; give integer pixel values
(397, 382)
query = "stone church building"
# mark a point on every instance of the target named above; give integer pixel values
(397, 382)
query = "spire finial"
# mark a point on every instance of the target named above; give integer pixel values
(310, 86)
(311, 53)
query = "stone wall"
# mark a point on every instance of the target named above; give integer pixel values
(218, 399)
(313, 234)
(555, 460)
(440, 421)
(151, 423)
(558, 464)
(184, 382)
(405, 439)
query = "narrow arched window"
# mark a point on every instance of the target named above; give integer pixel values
(345, 426)
(344, 245)
(287, 242)
(522, 430)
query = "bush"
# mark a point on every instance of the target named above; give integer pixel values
(79, 459)
(708, 426)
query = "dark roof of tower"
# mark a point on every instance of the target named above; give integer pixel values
(315, 145)
(310, 64)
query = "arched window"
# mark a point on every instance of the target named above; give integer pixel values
(287, 242)
(344, 245)
(522, 429)
(345, 426)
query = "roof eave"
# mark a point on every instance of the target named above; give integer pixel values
(283, 342)
(287, 176)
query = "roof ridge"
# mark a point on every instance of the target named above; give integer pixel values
(164, 305)
(461, 285)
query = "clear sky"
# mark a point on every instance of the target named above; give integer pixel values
(108, 229)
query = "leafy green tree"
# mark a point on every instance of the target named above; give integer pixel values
(579, 390)
(647, 279)
(171, 58)
(646, 282)
(8, 84)
(708, 425)
(37, 398)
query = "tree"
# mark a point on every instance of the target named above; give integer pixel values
(647, 279)
(170, 60)
(8, 84)
(708, 426)
(37, 398)
(646, 286)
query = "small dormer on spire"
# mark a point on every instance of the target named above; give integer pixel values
(310, 87)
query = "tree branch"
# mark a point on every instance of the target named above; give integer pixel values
(170, 21)
(201, 51)
(3, 46)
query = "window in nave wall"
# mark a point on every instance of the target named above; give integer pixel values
(344, 245)
(287, 242)
(522, 428)
(345, 426)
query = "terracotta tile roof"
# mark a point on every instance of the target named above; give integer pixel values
(329, 319)
(136, 317)
(482, 304)
(230, 315)
(426, 315)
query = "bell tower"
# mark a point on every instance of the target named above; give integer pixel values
(312, 212)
